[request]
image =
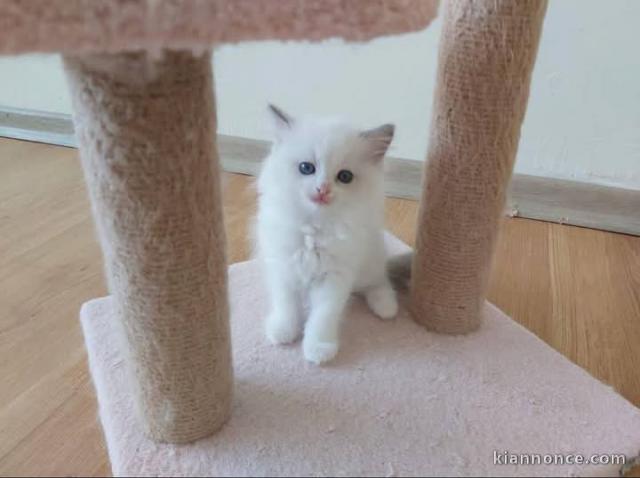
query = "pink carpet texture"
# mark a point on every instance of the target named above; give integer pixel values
(398, 401)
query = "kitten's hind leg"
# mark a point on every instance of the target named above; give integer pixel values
(382, 300)
(284, 322)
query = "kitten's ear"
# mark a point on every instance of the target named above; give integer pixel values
(379, 139)
(281, 120)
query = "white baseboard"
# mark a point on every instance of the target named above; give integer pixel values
(547, 199)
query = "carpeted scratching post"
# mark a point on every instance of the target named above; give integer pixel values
(487, 52)
(146, 128)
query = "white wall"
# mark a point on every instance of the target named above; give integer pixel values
(583, 120)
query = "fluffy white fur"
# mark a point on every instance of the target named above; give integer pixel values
(316, 253)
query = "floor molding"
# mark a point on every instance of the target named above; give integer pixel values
(548, 199)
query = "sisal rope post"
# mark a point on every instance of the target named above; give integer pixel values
(146, 131)
(487, 52)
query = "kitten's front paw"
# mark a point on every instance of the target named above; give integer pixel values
(283, 330)
(319, 352)
(383, 302)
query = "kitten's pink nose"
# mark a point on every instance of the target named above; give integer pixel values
(323, 193)
(324, 189)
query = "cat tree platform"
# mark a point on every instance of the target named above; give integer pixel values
(172, 365)
(398, 401)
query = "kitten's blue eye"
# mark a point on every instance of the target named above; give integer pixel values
(306, 168)
(345, 176)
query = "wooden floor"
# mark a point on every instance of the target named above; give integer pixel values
(578, 289)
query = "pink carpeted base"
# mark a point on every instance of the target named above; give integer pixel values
(397, 401)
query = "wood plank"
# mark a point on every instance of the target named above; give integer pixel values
(575, 203)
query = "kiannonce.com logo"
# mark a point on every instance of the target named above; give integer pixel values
(508, 458)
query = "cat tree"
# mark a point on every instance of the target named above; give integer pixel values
(141, 81)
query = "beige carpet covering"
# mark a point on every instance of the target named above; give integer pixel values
(74, 26)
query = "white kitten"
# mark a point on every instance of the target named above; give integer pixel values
(320, 229)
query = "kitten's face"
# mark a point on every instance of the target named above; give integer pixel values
(326, 164)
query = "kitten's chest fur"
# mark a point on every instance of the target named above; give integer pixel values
(323, 248)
